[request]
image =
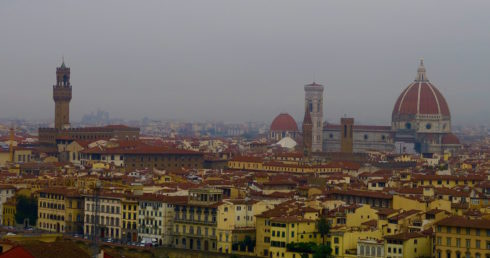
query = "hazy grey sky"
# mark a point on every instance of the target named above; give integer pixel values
(242, 60)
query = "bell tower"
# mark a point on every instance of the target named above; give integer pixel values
(346, 139)
(62, 97)
(314, 105)
(307, 134)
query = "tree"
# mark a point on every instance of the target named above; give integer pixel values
(323, 251)
(323, 228)
(26, 208)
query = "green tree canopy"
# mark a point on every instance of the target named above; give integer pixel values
(26, 208)
(323, 228)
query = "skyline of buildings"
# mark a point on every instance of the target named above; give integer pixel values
(249, 189)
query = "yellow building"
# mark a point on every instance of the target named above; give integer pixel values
(130, 219)
(288, 230)
(360, 215)
(410, 244)
(413, 203)
(246, 163)
(462, 237)
(21, 155)
(60, 210)
(8, 212)
(344, 241)
(284, 219)
(196, 220)
(237, 223)
(259, 164)
(448, 181)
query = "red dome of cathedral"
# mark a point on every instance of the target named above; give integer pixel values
(450, 139)
(284, 123)
(421, 98)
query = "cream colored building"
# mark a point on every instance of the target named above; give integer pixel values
(109, 215)
(6, 192)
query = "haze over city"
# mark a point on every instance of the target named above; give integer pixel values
(242, 61)
(240, 129)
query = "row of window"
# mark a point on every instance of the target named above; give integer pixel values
(468, 244)
(43, 215)
(129, 215)
(371, 251)
(52, 196)
(239, 208)
(130, 207)
(104, 208)
(439, 182)
(50, 205)
(153, 231)
(394, 250)
(458, 230)
(110, 221)
(146, 222)
(193, 217)
(104, 232)
(52, 227)
(191, 230)
(191, 244)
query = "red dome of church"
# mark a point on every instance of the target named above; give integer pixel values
(450, 139)
(421, 98)
(284, 122)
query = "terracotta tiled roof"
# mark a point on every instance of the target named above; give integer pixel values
(361, 193)
(284, 122)
(405, 236)
(421, 98)
(17, 252)
(450, 139)
(458, 221)
(55, 249)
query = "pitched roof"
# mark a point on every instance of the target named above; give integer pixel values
(464, 222)
(16, 252)
(46, 250)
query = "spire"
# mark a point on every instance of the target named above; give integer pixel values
(63, 61)
(421, 76)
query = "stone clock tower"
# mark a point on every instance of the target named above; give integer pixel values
(62, 97)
